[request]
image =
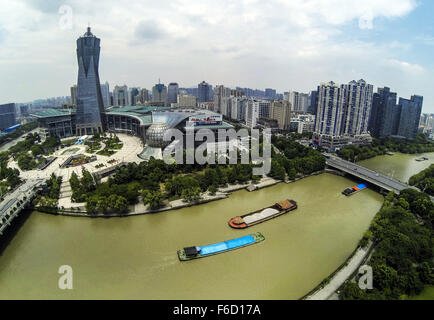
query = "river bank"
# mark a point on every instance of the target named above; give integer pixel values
(79, 209)
(331, 284)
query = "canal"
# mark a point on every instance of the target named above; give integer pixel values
(135, 257)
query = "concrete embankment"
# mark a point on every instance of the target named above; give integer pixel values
(341, 275)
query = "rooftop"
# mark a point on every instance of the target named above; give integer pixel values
(52, 113)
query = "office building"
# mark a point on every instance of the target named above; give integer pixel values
(74, 95)
(159, 94)
(90, 108)
(281, 112)
(185, 100)
(105, 92)
(7, 115)
(383, 108)
(410, 111)
(121, 97)
(172, 93)
(204, 92)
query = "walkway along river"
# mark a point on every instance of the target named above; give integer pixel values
(135, 257)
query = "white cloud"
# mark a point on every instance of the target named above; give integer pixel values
(406, 67)
(274, 43)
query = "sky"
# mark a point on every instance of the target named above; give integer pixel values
(281, 44)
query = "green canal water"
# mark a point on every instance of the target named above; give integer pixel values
(135, 257)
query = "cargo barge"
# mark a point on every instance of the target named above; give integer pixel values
(262, 215)
(351, 191)
(191, 253)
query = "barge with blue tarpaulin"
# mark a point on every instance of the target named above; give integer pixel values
(351, 191)
(191, 253)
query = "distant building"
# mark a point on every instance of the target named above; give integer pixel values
(121, 97)
(143, 96)
(172, 93)
(134, 96)
(252, 113)
(105, 92)
(410, 111)
(281, 112)
(238, 108)
(204, 92)
(7, 116)
(383, 108)
(159, 94)
(270, 94)
(90, 108)
(313, 102)
(186, 101)
(264, 109)
(303, 123)
(74, 95)
(221, 100)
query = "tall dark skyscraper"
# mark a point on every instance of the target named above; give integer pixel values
(172, 93)
(7, 115)
(382, 113)
(410, 116)
(90, 107)
(204, 92)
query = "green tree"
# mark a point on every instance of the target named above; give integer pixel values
(153, 198)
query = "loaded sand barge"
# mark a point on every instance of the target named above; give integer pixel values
(262, 215)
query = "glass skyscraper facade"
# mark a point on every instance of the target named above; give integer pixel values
(410, 116)
(381, 122)
(90, 107)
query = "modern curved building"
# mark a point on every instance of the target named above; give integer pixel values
(90, 107)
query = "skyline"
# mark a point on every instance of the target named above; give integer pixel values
(222, 43)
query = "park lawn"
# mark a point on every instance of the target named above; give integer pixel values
(426, 294)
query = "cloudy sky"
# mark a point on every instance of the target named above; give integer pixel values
(282, 44)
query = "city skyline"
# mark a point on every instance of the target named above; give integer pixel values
(177, 47)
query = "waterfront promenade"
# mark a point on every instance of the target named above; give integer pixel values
(341, 276)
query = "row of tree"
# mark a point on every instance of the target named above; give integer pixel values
(402, 261)
(380, 146)
(294, 159)
(424, 180)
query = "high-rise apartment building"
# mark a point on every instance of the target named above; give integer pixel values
(264, 109)
(358, 107)
(134, 96)
(90, 116)
(221, 100)
(343, 114)
(281, 112)
(252, 113)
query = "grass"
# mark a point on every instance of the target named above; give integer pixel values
(427, 294)
(70, 151)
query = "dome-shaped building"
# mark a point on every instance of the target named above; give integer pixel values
(155, 135)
